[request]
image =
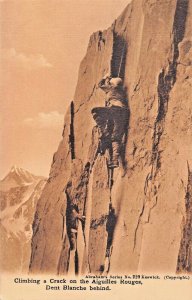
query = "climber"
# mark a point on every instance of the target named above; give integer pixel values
(110, 228)
(112, 119)
(73, 218)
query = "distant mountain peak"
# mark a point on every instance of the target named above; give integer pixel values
(14, 168)
(18, 177)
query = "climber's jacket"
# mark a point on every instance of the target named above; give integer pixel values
(115, 94)
(113, 118)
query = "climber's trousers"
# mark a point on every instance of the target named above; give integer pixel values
(119, 121)
(112, 121)
(73, 240)
(115, 154)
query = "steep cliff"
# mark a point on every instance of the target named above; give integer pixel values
(143, 222)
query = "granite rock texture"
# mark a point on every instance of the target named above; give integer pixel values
(143, 223)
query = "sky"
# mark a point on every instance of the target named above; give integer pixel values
(42, 45)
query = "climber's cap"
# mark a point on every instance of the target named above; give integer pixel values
(116, 81)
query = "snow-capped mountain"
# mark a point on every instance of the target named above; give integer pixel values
(17, 177)
(19, 193)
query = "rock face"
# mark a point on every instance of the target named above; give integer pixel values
(19, 192)
(143, 223)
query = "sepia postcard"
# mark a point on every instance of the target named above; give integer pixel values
(96, 149)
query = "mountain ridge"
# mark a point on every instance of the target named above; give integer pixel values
(19, 193)
(17, 177)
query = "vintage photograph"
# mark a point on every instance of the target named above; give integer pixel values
(96, 137)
